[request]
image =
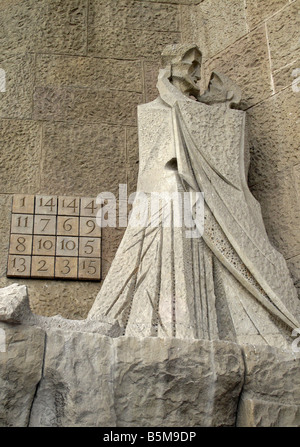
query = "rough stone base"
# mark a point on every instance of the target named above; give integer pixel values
(62, 378)
(271, 390)
(21, 363)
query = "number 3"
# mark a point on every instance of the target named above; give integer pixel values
(66, 266)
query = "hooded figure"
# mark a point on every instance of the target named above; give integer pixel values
(228, 282)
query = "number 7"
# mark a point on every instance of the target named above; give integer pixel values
(48, 220)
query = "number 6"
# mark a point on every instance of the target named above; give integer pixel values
(67, 226)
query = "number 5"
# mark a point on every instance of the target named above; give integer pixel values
(87, 245)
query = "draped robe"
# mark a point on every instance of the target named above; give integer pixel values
(230, 283)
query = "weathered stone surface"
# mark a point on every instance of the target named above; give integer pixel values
(257, 11)
(150, 76)
(131, 382)
(110, 243)
(280, 209)
(88, 72)
(132, 152)
(14, 309)
(294, 266)
(169, 266)
(113, 28)
(273, 134)
(14, 303)
(270, 396)
(219, 24)
(17, 20)
(132, 176)
(283, 33)
(5, 207)
(288, 76)
(20, 156)
(57, 26)
(16, 102)
(71, 300)
(280, 205)
(171, 381)
(123, 43)
(262, 378)
(140, 15)
(85, 379)
(285, 242)
(20, 372)
(76, 389)
(85, 105)
(247, 63)
(181, 2)
(87, 159)
(135, 15)
(132, 146)
(189, 24)
(261, 413)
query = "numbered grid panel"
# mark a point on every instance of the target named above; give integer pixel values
(54, 237)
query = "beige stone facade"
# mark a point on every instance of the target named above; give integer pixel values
(76, 71)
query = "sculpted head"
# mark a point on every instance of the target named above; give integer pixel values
(184, 61)
(221, 89)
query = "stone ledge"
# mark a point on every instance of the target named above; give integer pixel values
(261, 413)
(85, 379)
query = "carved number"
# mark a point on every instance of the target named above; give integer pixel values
(21, 265)
(91, 206)
(42, 269)
(20, 247)
(50, 203)
(72, 205)
(67, 226)
(89, 247)
(25, 221)
(90, 224)
(91, 269)
(47, 245)
(69, 245)
(66, 266)
(47, 221)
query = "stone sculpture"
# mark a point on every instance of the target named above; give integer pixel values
(229, 284)
(190, 308)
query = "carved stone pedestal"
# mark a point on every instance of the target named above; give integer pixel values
(65, 378)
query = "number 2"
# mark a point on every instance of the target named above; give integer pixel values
(42, 269)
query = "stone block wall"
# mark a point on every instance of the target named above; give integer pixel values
(76, 71)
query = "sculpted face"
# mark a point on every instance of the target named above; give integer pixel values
(221, 89)
(215, 92)
(186, 73)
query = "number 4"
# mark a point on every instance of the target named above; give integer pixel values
(91, 206)
(50, 203)
(72, 205)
